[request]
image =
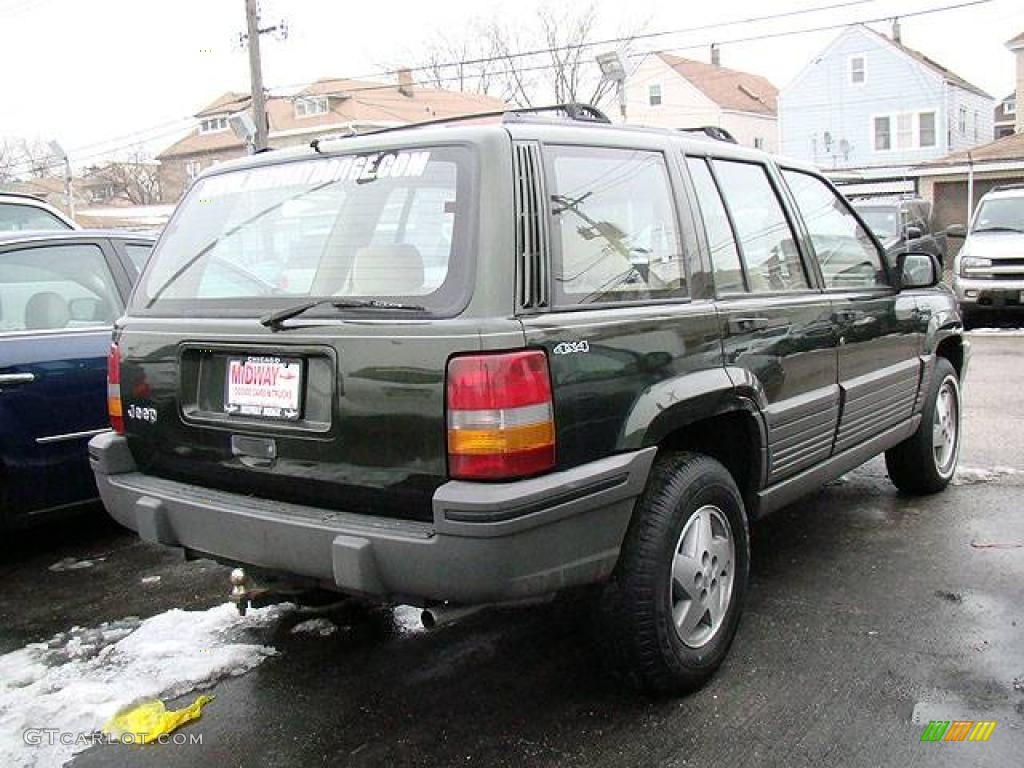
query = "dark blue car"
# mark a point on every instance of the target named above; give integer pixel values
(59, 295)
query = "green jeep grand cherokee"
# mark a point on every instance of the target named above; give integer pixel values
(480, 362)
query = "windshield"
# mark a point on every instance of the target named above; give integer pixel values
(380, 225)
(1000, 214)
(886, 223)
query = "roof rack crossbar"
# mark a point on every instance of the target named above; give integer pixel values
(1004, 187)
(584, 113)
(713, 132)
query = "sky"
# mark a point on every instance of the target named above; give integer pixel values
(92, 75)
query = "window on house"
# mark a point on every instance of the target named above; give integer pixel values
(975, 121)
(926, 129)
(758, 142)
(961, 122)
(858, 73)
(192, 169)
(883, 133)
(1010, 107)
(213, 124)
(904, 130)
(767, 244)
(654, 95)
(309, 106)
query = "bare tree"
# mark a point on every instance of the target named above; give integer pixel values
(133, 178)
(549, 58)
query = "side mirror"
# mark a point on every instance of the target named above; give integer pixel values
(918, 270)
(956, 230)
(914, 233)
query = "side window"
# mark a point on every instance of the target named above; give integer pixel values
(845, 252)
(55, 287)
(613, 226)
(766, 241)
(725, 258)
(138, 254)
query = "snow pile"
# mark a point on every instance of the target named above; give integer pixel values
(82, 677)
(71, 564)
(976, 475)
(996, 332)
(407, 618)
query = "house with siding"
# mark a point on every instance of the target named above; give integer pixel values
(330, 106)
(671, 92)
(868, 100)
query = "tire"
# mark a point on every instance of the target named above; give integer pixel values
(920, 465)
(688, 497)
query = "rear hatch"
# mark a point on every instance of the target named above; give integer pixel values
(342, 405)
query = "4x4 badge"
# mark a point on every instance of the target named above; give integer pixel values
(569, 347)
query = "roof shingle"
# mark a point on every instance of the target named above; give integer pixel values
(728, 88)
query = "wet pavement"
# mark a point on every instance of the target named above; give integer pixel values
(868, 615)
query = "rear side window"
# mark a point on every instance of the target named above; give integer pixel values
(766, 241)
(56, 287)
(845, 252)
(17, 218)
(385, 225)
(725, 257)
(614, 226)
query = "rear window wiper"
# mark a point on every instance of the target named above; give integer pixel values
(274, 319)
(999, 228)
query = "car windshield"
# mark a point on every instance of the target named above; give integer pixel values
(1000, 214)
(19, 218)
(884, 222)
(379, 225)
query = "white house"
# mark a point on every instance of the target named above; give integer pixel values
(671, 92)
(868, 100)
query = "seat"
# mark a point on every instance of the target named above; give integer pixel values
(46, 311)
(388, 270)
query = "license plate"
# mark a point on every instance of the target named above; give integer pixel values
(266, 387)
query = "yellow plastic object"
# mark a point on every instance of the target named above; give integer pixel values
(148, 721)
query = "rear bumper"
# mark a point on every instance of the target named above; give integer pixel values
(487, 542)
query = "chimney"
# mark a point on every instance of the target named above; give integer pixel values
(405, 82)
(716, 55)
(897, 37)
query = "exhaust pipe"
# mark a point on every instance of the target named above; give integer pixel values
(439, 615)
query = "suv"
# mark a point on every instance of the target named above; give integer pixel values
(19, 212)
(988, 273)
(472, 363)
(902, 224)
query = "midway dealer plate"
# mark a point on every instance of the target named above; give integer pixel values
(266, 387)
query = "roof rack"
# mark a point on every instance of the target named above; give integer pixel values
(1005, 187)
(582, 113)
(713, 132)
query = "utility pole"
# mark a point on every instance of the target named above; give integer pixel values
(259, 102)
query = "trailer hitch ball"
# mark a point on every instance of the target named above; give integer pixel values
(239, 590)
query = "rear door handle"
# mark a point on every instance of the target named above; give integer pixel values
(744, 324)
(7, 379)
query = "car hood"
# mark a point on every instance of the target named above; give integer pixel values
(994, 245)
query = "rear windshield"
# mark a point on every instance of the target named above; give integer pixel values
(386, 226)
(19, 218)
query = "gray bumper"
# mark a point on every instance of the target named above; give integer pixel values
(989, 294)
(487, 542)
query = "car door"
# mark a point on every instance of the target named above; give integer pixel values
(57, 303)
(775, 322)
(880, 330)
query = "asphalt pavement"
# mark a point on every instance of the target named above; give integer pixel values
(869, 614)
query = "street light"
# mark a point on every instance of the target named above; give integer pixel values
(613, 69)
(244, 128)
(69, 198)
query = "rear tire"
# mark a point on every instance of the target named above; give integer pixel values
(671, 610)
(926, 461)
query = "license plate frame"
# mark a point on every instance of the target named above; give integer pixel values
(265, 387)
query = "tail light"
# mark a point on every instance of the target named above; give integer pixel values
(114, 389)
(500, 416)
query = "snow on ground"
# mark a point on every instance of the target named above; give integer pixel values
(996, 332)
(976, 475)
(407, 618)
(71, 564)
(80, 678)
